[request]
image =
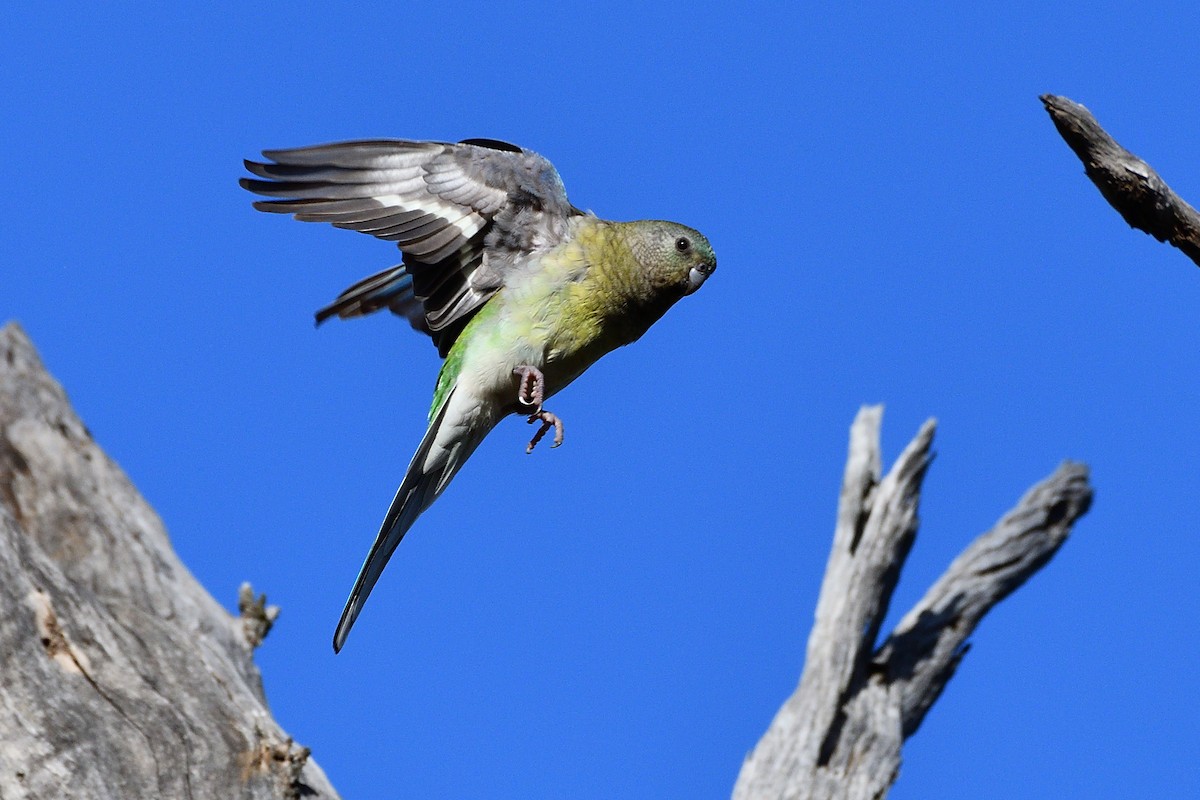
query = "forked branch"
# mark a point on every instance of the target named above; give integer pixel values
(839, 735)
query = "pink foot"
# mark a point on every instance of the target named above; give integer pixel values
(531, 391)
(548, 421)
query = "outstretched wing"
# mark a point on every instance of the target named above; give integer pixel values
(462, 214)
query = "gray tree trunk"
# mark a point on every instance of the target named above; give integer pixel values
(121, 677)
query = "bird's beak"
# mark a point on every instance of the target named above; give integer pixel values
(697, 275)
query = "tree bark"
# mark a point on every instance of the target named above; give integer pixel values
(121, 677)
(840, 734)
(1128, 183)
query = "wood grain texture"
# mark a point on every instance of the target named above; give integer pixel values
(121, 676)
(840, 734)
(1128, 183)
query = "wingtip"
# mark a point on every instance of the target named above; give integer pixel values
(259, 186)
(270, 206)
(323, 315)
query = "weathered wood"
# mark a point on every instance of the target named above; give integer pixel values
(840, 734)
(120, 676)
(1128, 183)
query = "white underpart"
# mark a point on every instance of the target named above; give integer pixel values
(467, 420)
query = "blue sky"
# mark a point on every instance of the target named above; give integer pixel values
(896, 221)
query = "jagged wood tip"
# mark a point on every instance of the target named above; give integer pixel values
(1128, 183)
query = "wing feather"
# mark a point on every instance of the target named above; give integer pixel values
(448, 207)
(385, 216)
(392, 288)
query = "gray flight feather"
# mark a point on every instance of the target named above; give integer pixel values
(462, 214)
(391, 288)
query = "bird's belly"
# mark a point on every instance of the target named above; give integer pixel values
(491, 372)
(493, 376)
(556, 329)
(561, 367)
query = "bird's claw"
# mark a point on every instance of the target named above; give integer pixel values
(548, 421)
(531, 389)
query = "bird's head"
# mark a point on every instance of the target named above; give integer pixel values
(674, 256)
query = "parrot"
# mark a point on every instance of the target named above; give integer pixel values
(519, 290)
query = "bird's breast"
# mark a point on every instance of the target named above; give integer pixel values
(560, 315)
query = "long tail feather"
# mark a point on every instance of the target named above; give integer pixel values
(428, 474)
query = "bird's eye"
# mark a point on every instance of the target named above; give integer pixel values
(682, 244)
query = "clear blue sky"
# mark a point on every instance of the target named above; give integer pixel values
(896, 221)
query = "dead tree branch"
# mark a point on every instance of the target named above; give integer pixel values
(1128, 183)
(120, 676)
(840, 734)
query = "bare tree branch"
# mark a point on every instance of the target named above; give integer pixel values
(120, 677)
(1128, 183)
(930, 641)
(840, 734)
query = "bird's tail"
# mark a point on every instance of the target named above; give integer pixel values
(453, 434)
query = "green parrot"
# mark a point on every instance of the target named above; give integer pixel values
(519, 290)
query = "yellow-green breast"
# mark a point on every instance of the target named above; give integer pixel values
(559, 313)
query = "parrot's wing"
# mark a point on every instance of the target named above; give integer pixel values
(392, 289)
(463, 214)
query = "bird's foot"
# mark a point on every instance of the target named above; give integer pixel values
(531, 388)
(548, 421)
(531, 391)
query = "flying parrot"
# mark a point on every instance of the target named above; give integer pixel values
(519, 290)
